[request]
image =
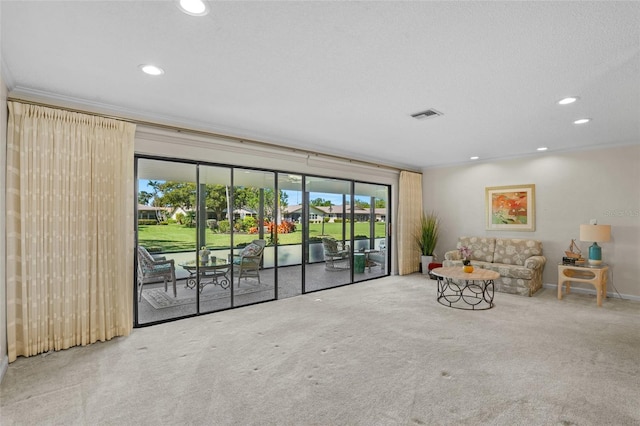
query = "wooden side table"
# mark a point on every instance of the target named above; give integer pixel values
(594, 275)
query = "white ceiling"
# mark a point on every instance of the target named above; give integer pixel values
(344, 77)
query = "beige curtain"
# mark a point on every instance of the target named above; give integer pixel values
(69, 229)
(409, 213)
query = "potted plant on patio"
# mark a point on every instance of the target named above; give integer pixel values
(427, 238)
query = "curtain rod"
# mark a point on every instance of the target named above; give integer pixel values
(209, 134)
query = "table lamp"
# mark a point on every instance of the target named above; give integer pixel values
(597, 234)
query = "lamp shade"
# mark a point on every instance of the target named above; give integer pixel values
(596, 233)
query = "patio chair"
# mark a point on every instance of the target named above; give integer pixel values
(247, 262)
(337, 256)
(152, 269)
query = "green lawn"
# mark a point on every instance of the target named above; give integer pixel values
(174, 237)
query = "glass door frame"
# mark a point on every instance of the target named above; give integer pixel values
(201, 219)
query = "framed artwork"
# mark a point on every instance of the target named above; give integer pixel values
(511, 208)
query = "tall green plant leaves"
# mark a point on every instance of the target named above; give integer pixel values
(428, 233)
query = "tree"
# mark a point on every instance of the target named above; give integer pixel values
(320, 202)
(362, 205)
(183, 194)
(216, 200)
(176, 194)
(249, 197)
(153, 184)
(144, 197)
(284, 199)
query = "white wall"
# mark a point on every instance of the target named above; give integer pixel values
(4, 360)
(571, 188)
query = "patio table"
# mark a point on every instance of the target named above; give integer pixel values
(214, 272)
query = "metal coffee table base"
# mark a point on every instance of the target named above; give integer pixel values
(465, 294)
(465, 290)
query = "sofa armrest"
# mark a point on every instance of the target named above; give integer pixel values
(452, 255)
(535, 262)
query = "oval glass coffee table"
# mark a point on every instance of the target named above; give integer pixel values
(465, 290)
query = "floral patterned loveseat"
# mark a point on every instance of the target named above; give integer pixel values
(518, 261)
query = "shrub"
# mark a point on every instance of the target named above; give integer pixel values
(224, 226)
(213, 225)
(286, 227)
(180, 218)
(190, 219)
(249, 222)
(147, 222)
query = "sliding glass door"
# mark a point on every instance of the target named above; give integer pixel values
(370, 240)
(167, 240)
(213, 269)
(328, 233)
(213, 237)
(289, 226)
(254, 234)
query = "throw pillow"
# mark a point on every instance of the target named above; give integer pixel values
(250, 250)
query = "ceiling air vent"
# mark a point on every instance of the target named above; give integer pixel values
(430, 113)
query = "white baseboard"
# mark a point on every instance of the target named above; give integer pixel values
(592, 290)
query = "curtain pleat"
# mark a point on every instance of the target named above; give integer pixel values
(409, 214)
(69, 229)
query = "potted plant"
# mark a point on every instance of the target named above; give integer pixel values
(427, 238)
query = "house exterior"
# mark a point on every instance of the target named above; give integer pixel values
(294, 213)
(153, 213)
(317, 213)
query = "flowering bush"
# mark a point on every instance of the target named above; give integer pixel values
(285, 227)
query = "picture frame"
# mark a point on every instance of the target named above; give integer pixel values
(510, 208)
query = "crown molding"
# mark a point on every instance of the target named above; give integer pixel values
(183, 126)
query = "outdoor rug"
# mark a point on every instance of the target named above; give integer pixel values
(160, 299)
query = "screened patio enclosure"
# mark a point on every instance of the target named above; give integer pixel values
(226, 213)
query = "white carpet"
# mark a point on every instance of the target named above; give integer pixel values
(382, 352)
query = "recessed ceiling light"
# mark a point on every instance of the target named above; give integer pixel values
(474, 157)
(568, 100)
(542, 148)
(193, 7)
(151, 69)
(582, 121)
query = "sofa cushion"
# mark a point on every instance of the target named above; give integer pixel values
(482, 248)
(512, 251)
(511, 271)
(475, 263)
